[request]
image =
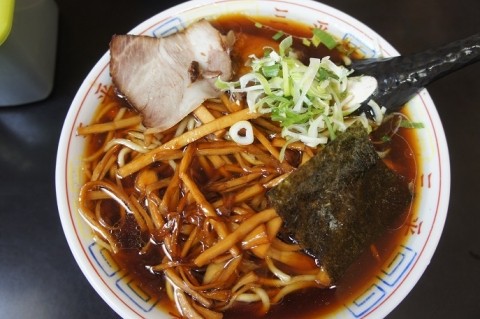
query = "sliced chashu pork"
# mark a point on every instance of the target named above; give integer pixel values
(167, 78)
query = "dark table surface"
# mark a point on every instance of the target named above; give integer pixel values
(38, 275)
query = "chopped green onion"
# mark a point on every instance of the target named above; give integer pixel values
(258, 25)
(285, 45)
(271, 71)
(331, 131)
(320, 36)
(324, 74)
(307, 100)
(286, 79)
(224, 86)
(386, 138)
(410, 124)
(316, 41)
(278, 35)
(306, 42)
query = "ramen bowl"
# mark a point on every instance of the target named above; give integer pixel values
(407, 261)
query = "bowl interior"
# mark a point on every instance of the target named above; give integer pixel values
(408, 261)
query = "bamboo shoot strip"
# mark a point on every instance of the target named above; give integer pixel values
(205, 206)
(237, 235)
(186, 138)
(110, 126)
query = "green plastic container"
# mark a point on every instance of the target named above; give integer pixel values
(28, 42)
(6, 18)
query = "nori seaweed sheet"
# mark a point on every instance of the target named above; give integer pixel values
(338, 203)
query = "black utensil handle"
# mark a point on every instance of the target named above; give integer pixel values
(400, 78)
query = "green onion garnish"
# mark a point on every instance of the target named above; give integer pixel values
(306, 99)
(410, 124)
(320, 36)
(306, 42)
(278, 35)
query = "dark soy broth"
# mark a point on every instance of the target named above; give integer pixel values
(308, 303)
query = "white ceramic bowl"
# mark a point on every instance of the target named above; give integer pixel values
(397, 277)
